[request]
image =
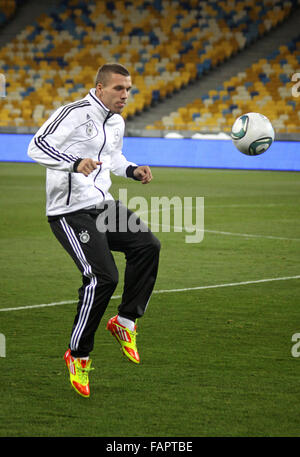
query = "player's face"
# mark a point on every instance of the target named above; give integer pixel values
(115, 92)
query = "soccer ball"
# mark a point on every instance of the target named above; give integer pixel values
(252, 134)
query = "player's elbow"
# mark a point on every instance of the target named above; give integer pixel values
(31, 150)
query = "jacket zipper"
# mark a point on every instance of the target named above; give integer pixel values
(69, 188)
(99, 153)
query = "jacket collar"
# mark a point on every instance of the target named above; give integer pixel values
(96, 102)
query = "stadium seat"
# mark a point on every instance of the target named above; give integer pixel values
(7, 10)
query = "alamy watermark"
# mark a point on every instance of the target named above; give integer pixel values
(2, 86)
(162, 214)
(2, 345)
(295, 351)
(296, 87)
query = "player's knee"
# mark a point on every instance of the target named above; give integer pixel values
(113, 281)
(155, 243)
(109, 280)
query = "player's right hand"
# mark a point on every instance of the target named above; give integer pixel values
(87, 166)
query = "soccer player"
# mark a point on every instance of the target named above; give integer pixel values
(80, 144)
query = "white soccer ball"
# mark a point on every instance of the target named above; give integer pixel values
(252, 134)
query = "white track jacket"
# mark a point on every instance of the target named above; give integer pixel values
(83, 129)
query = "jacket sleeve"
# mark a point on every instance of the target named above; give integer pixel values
(45, 147)
(119, 163)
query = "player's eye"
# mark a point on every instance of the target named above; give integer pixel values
(120, 88)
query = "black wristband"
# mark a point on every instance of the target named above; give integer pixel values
(75, 166)
(129, 172)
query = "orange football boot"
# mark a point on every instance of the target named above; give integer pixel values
(125, 337)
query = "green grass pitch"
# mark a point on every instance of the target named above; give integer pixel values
(215, 361)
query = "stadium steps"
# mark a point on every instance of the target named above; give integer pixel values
(238, 63)
(26, 14)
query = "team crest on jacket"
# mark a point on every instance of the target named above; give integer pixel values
(84, 236)
(89, 128)
(117, 134)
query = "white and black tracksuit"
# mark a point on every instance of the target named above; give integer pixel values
(87, 129)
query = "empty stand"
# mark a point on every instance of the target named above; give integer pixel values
(265, 87)
(164, 44)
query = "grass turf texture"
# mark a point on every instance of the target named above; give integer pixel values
(215, 362)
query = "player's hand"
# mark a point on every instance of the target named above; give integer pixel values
(143, 174)
(87, 166)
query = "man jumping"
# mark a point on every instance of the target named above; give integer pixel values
(80, 144)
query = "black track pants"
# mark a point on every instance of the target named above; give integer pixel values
(91, 251)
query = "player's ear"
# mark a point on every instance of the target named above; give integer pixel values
(99, 88)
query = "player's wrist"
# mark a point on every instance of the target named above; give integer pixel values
(130, 172)
(76, 164)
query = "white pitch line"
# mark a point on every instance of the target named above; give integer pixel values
(231, 284)
(163, 291)
(43, 305)
(249, 235)
(215, 232)
(219, 232)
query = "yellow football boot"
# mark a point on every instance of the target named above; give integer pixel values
(79, 373)
(125, 337)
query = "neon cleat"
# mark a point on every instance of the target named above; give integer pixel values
(125, 337)
(79, 373)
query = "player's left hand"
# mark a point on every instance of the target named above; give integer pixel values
(143, 174)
